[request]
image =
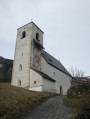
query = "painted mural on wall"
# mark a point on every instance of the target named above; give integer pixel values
(37, 61)
(36, 58)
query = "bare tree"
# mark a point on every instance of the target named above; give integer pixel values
(75, 72)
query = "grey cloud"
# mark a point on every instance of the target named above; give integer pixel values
(66, 24)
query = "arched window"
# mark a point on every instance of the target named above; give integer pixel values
(23, 35)
(37, 36)
(20, 67)
(19, 83)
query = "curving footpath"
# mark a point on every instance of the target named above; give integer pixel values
(52, 108)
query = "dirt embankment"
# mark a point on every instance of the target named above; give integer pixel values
(15, 101)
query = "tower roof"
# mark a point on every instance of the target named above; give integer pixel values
(32, 23)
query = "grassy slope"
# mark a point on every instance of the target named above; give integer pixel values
(15, 101)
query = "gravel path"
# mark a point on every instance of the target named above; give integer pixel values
(52, 108)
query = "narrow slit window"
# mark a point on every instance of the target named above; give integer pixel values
(20, 67)
(19, 83)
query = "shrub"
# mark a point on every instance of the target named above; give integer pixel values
(83, 108)
(79, 97)
(78, 90)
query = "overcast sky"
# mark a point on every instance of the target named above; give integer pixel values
(65, 23)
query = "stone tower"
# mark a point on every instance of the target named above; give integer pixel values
(29, 45)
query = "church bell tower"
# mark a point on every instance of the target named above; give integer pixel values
(29, 45)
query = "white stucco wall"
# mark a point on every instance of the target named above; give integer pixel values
(35, 52)
(61, 78)
(35, 77)
(48, 86)
(38, 88)
(22, 56)
(37, 30)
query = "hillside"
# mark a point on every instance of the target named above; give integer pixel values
(15, 101)
(5, 69)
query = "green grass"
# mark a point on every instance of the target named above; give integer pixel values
(15, 101)
(70, 101)
(82, 107)
(78, 98)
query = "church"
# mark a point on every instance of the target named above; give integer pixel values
(34, 68)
